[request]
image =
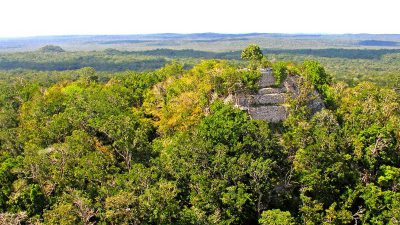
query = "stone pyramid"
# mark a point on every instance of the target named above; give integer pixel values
(269, 102)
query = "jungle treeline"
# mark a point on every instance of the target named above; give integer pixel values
(353, 66)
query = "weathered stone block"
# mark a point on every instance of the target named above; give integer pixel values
(271, 113)
(244, 100)
(270, 90)
(267, 79)
(291, 85)
(269, 99)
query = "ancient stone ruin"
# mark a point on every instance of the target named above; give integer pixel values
(269, 102)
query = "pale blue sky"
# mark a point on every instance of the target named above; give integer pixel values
(64, 17)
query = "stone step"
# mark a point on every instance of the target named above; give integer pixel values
(271, 113)
(266, 80)
(270, 90)
(243, 100)
(268, 99)
(257, 100)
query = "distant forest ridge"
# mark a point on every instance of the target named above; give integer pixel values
(379, 43)
(50, 58)
(202, 41)
(329, 53)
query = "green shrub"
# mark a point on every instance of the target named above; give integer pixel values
(280, 72)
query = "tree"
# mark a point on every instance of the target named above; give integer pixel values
(276, 217)
(316, 74)
(252, 53)
(74, 207)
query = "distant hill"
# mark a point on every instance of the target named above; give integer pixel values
(378, 43)
(214, 42)
(51, 49)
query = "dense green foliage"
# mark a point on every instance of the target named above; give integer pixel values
(162, 147)
(49, 60)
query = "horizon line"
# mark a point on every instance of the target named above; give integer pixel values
(173, 33)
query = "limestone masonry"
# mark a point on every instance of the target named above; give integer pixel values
(269, 102)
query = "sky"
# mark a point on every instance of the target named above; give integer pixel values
(22, 18)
